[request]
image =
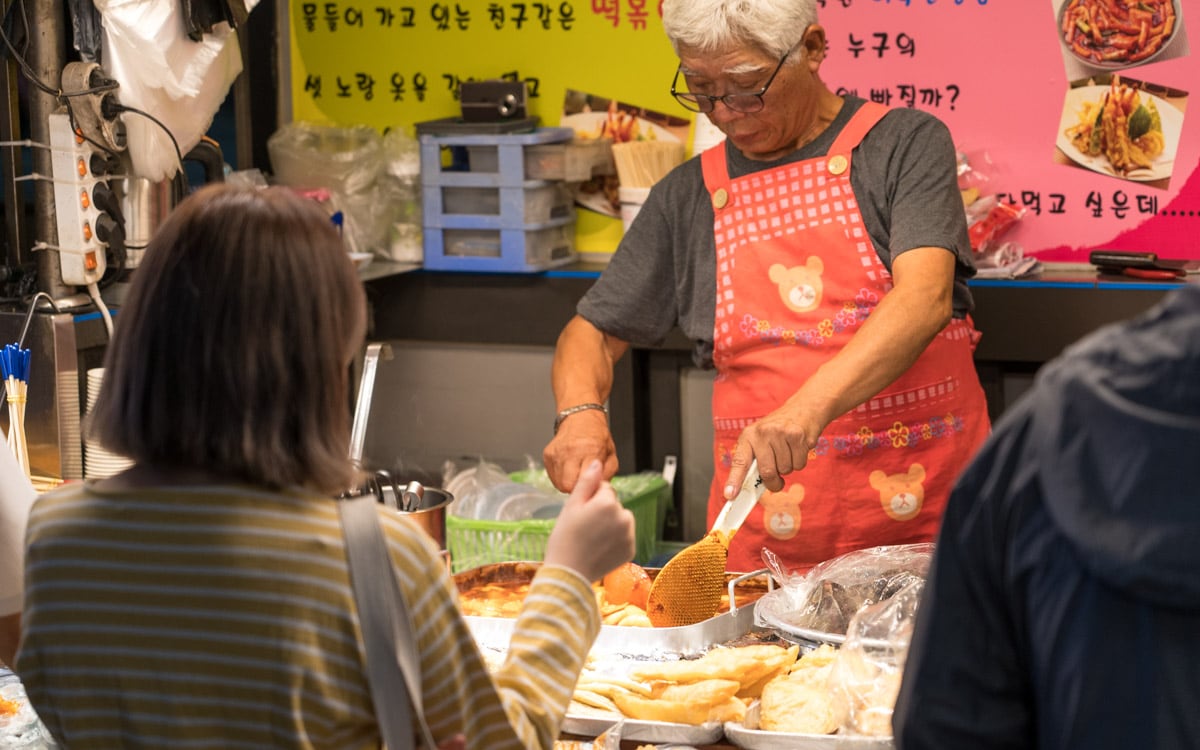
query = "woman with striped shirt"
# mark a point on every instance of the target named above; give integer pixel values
(201, 598)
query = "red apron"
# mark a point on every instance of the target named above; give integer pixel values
(797, 275)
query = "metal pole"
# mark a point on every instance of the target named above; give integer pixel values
(47, 56)
(16, 233)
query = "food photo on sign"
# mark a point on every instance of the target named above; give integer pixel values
(1122, 127)
(1104, 35)
(646, 145)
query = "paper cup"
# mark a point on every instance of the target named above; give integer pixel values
(631, 199)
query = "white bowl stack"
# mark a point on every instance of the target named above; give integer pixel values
(99, 463)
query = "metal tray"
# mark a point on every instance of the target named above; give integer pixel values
(630, 645)
(747, 735)
(582, 720)
(617, 640)
(635, 643)
(769, 612)
(757, 739)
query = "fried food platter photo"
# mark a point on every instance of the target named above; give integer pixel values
(1120, 130)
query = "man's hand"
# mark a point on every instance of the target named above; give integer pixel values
(594, 533)
(582, 438)
(582, 373)
(780, 441)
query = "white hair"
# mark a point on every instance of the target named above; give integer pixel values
(773, 26)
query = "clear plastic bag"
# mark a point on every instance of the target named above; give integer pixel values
(346, 161)
(163, 72)
(400, 197)
(866, 675)
(825, 599)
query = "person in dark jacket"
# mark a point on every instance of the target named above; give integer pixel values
(1062, 608)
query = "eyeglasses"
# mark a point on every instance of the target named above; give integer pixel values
(737, 102)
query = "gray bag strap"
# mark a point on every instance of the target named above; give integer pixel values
(393, 670)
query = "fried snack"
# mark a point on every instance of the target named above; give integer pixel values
(605, 684)
(596, 689)
(793, 706)
(800, 701)
(625, 615)
(595, 700)
(693, 703)
(750, 666)
(627, 584)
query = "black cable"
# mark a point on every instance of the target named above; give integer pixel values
(79, 132)
(31, 74)
(115, 107)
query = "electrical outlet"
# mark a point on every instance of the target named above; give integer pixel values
(92, 112)
(81, 251)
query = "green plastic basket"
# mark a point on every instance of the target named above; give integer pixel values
(473, 542)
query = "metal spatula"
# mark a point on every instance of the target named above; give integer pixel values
(688, 588)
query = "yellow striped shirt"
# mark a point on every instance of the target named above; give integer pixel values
(222, 617)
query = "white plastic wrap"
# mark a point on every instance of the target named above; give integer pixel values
(817, 606)
(163, 73)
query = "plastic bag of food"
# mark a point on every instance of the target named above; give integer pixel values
(346, 161)
(866, 675)
(988, 219)
(824, 599)
(400, 197)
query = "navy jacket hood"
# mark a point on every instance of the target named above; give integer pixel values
(1125, 436)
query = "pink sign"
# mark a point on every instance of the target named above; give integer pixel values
(1027, 88)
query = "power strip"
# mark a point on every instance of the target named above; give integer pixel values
(81, 224)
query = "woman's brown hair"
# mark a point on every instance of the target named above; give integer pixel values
(232, 352)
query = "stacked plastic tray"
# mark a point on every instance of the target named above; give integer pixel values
(484, 208)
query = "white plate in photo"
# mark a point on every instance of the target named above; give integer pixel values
(1164, 163)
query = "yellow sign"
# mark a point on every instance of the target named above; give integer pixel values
(395, 65)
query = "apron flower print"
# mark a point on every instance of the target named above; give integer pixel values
(797, 275)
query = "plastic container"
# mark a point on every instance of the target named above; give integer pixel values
(489, 159)
(531, 205)
(575, 161)
(489, 216)
(526, 249)
(473, 542)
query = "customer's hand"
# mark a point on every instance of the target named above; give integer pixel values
(582, 438)
(594, 533)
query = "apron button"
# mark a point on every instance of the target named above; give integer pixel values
(720, 198)
(838, 164)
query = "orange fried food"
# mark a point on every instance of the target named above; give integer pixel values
(628, 584)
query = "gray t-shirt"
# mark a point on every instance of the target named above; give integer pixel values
(663, 273)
